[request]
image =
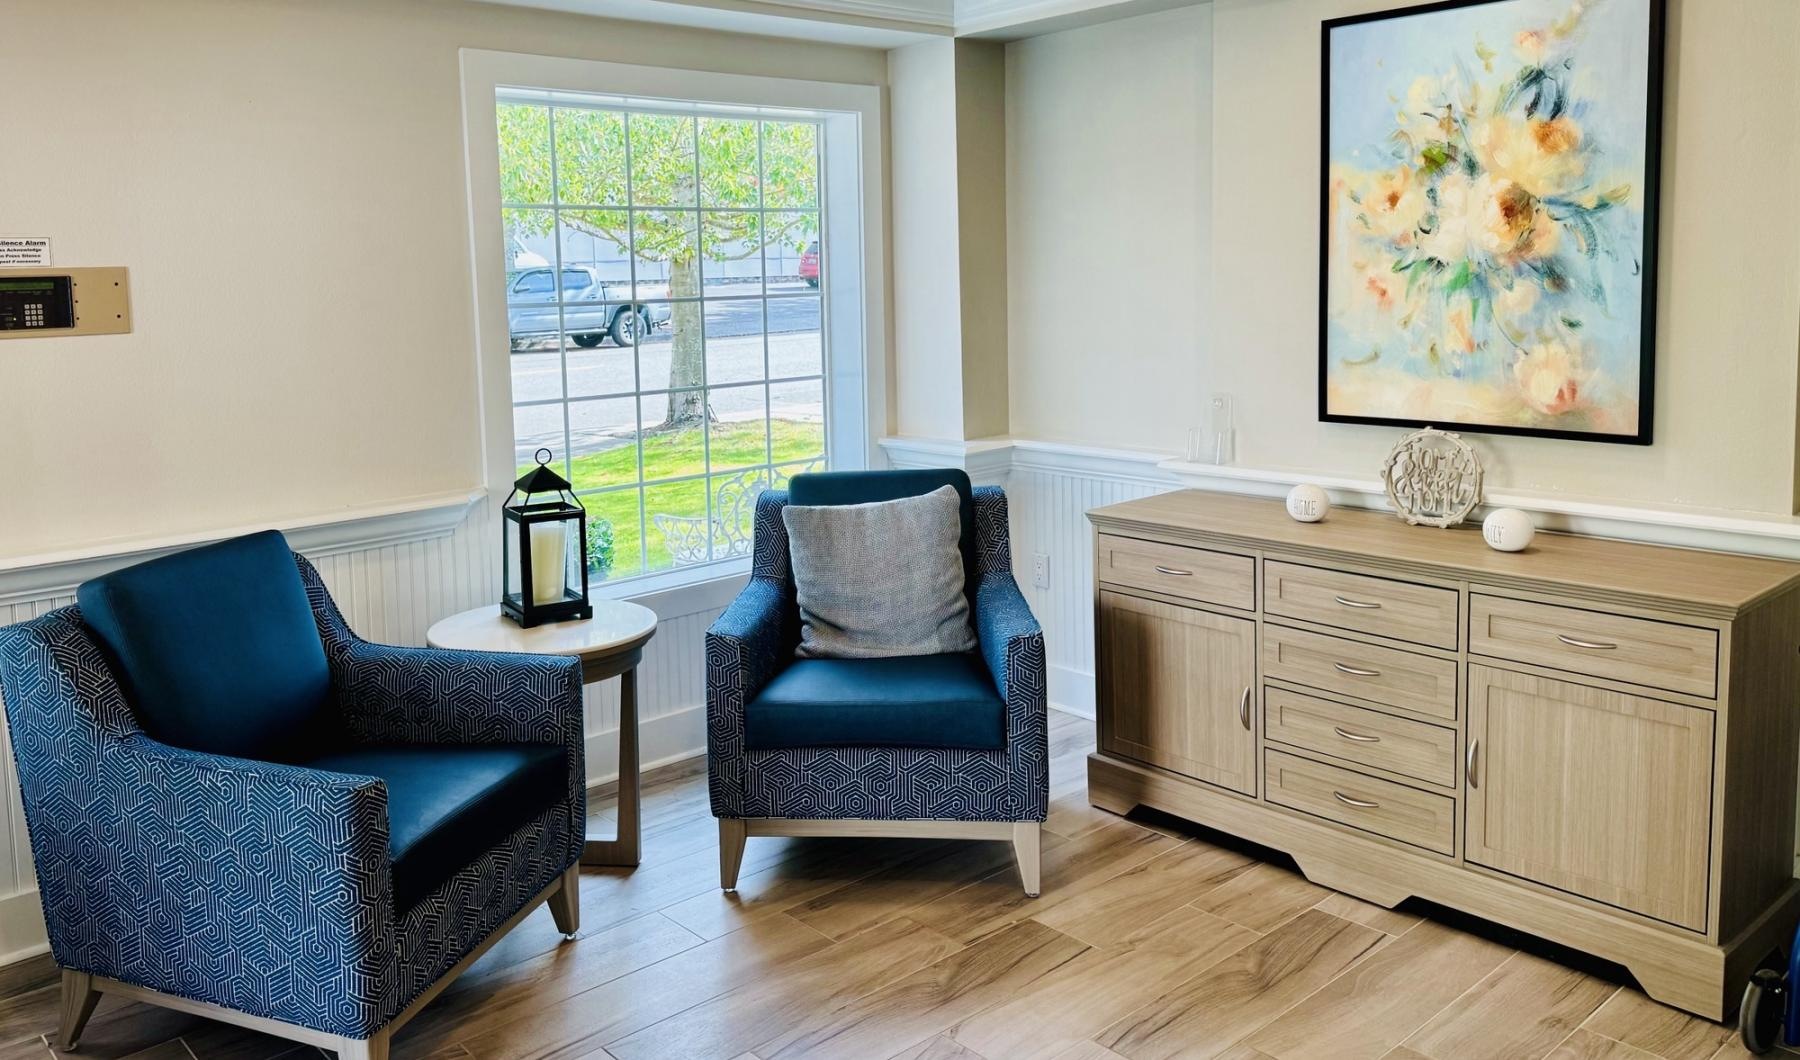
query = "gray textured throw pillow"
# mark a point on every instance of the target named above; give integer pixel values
(880, 580)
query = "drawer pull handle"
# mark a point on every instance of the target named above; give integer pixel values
(1597, 645)
(1361, 804)
(1347, 602)
(1160, 569)
(1244, 708)
(1357, 736)
(1354, 671)
(1469, 764)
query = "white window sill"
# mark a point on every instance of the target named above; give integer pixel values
(688, 591)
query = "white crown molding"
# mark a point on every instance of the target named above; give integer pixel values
(324, 534)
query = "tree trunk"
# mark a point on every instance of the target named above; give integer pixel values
(687, 352)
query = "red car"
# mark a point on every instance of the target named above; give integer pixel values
(809, 264)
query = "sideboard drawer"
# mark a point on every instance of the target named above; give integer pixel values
(1363, 737)
(1639, 650)
(1379, 806)
(1424, 614)
(1190, 573)
(1397, 678)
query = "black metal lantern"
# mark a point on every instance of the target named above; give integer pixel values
(547, 528)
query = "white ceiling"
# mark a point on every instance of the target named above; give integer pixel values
(868, 23)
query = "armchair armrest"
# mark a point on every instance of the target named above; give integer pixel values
(227, 860)
(745, 648)
(1011, 639)
(432, 695)
(1012, 645)
(752, 639)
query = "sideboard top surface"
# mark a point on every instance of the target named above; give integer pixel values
(1710, 582)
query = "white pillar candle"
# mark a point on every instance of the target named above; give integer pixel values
(549, 569)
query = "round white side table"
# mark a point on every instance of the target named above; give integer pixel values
(609, 645)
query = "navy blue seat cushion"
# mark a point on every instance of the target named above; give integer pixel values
(217, 649)
(908, 701)
(820, 488)
(448, 804)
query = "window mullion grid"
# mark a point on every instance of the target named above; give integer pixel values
(824, 279)
(705, 401)
(762, 254)
(562, 352)
(637, 364)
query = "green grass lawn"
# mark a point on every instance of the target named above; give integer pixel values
(673, 454)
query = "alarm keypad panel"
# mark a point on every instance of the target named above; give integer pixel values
(52, 303)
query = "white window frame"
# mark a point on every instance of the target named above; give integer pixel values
(851, 244)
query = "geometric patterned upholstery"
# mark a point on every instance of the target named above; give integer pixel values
(261, 887)
(755, 638)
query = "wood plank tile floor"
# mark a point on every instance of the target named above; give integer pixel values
(1151, 941)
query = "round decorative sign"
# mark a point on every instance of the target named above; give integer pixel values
(1433, 478)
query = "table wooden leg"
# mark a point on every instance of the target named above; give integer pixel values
(623, 850)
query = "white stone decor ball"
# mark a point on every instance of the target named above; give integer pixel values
(1507, 530)
(1307, 503)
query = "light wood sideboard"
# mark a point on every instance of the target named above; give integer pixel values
(1593, 741)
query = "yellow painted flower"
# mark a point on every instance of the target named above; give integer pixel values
(1392, 204)
(1542, 156)
(1548, 378)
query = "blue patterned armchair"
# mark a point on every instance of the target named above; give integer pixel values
(939, 746)
(239, 808)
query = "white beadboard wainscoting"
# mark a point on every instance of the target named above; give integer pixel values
(393, 572)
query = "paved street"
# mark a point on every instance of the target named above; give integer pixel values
(596, 425)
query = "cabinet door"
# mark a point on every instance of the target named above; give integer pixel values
(1592, 791)
(1177, 689)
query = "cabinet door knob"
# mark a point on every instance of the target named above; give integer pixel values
(1244, 708)
(1358, 737)
(1355, 671)
(1576, 642)
(1347, 602)
(1361, 804)
(1469, 764)
(1160, 569)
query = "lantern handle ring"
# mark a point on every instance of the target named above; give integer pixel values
(542, 456)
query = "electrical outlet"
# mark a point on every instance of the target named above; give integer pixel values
(1040, 570)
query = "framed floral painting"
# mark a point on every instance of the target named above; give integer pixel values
(1489, 217)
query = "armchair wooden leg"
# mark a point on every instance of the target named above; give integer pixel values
(565, 904)
(1025, 852)
(375, 1048)
(732, 834)
(78, 1000)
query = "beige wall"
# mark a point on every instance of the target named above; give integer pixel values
(947, 130)
(285, 182)
(922, 196)
(1729, 309)
(981, 232)
(1108, 160)
(1107, 189)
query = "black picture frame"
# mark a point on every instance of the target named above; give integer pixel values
(1654, 63)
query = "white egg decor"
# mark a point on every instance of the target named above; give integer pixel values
(1307, 503)
(1507, 530)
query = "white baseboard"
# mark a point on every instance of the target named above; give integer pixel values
(1072, 690)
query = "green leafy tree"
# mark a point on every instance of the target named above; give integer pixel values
(674, 162)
